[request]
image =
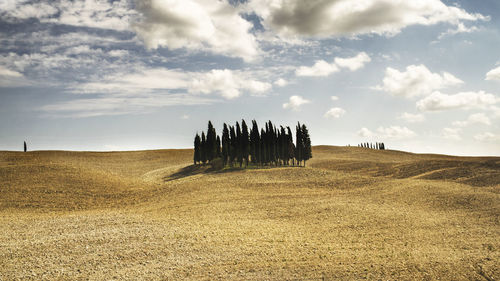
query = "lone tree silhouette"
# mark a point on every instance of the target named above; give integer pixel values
(25, 147)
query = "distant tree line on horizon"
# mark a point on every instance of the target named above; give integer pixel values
(268, 146)
(377, 145)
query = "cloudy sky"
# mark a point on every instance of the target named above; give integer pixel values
(419, 75)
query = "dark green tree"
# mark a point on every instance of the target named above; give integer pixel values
(226, 145)
(245, 142)
(306, 142)
(203, 148)
(299, 146)
(263, 146)
(234, 145)
(197, 149)
(218, 149)
(211, 142)
(283, 144)
(255, 143)
(239, 146)
(291, 146)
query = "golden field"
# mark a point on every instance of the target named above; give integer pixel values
(351, 214)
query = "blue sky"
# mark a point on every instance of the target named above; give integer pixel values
(421, 76)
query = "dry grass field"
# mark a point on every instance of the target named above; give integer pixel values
(351, 214)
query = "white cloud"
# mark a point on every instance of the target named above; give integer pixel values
(335, 112)
(281, 82)
(67, 58)
(477, 118)
(320, 68)
(323, 68)
(460, 28)
(365, 133)
(392, 132)
(353, 63)
(496, 111)
(493, 74)
(196, 24)
(334, 98)
(185, 117)
(20, 10)
(417, 80)
(115, 105)
(9, 73)
(227, 83)
(148, 88)
(12, 78)
(140, 81)
(82, 49)
(412, 118)
(465, 100)
(395, 132)
(295, 102)
(90, 13)
(487, 136)
(452, 133)
(94, 13)
(326, 18)
(118, 53)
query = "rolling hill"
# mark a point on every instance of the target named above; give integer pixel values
(352, 213)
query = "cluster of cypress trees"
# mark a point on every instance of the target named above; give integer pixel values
(268, 146)
(377, 145)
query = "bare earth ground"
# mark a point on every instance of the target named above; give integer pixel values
(353, 213)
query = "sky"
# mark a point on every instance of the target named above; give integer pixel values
(419, 75)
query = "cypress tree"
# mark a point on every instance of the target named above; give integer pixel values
(25, 146)
(218, 151)
(307, 151)
(284, 145)
(255, 143)
(291, 147)
(299, 144)
(197, 144)
(269, 144)
(211, 142)
(245, 145)
(272, 144)
(234, 145)
(203, 148)
(239, 146)
(226, 145)
(263, 146)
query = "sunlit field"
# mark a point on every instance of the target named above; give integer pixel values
(351, 213)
